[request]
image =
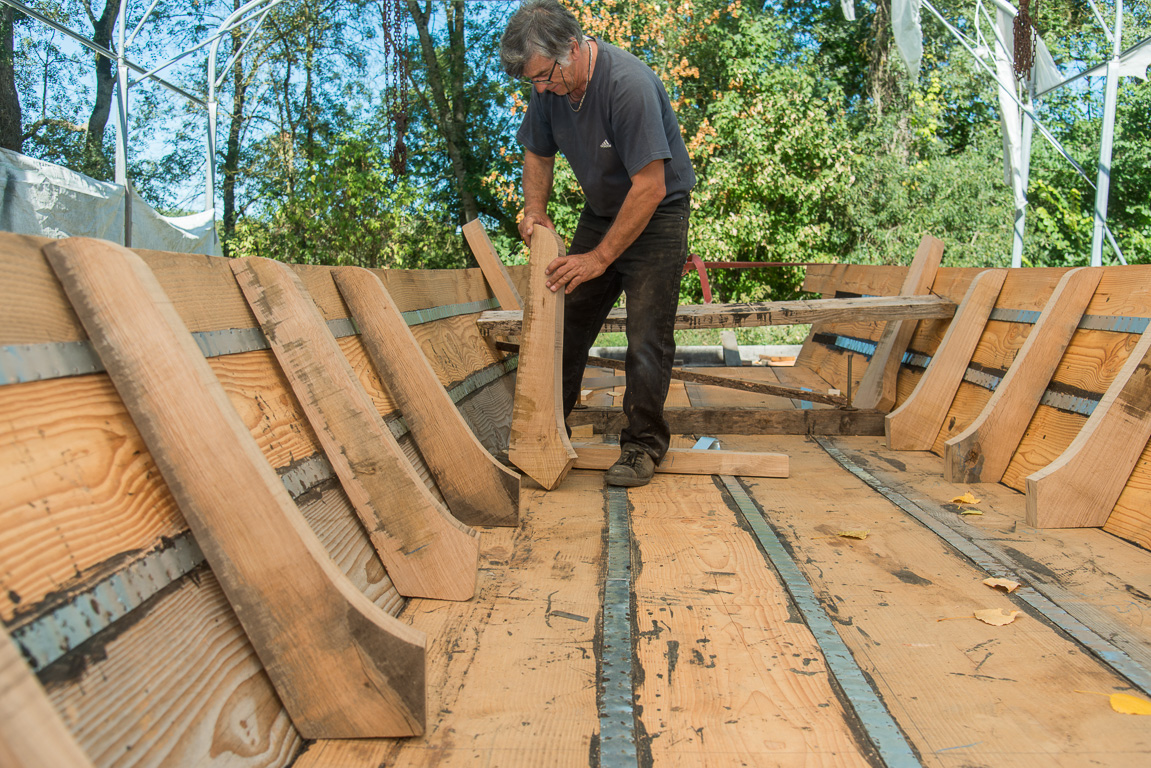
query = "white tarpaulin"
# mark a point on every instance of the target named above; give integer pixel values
(908, 33)
(39, 198)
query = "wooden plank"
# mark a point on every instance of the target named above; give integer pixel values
(689, 462)
(877, 389)
(478, 490)
(982, 452)
(31, 733)
(743, 421)
(342, 666)
(426, 551)
(539, 445)
(759, 314)
(494, 270)
(1080, 488)
(914, 425)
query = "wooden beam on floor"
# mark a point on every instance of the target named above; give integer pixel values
(342, 667)
(914, 425)
(1080, 488)
(877, 389)
(478, 489)
(426, 551)
(982, 452)
(538, 444)
(679, 461)
(742, 421)
(758, 314)
(492, 266)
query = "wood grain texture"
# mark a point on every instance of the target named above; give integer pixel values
(539, 445)
(478, 490)
(1080, 488)
(494, 270)
(982, 452)
(744, 421)
(426, 551)
(31, 733)
(877, 389)
(914, 425)
(344, 668)
(454, 348)
(690, 462)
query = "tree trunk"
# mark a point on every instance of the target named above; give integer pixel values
(11, 118)
(231, 166)
(880, 78)
(95, 162)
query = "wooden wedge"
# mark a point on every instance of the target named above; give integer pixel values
(342, 666)
(1079, 489)
(914, 425)
(426, 551)
(478, 489)
(877, 390)
(982, 452)
(539, 445)
(679, 461)
(493, 268)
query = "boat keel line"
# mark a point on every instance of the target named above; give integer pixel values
(616, 690)
(999, 565)
(877, 723)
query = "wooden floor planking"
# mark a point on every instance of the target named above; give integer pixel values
(964, 692)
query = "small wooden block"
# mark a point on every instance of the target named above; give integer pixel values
(477, 488)
(679, 461)
(493, 268)
(982, 452)
(426, 551)
(914, 425)
(539, 445)
(342, 666)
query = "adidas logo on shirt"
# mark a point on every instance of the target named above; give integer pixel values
(606, 144)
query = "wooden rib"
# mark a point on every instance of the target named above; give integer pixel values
(877, 390)
(982, 452)
(478, 490)
(754, 315)
(494, 270)
(691, 462)
(1080, 488)
(539, 445)
(342, 667)
(914, 425)
(31, 733)
(426, 551)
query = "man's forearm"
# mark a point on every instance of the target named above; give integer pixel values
(539, 173)
(645, 195)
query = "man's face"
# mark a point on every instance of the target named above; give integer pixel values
(547, 74)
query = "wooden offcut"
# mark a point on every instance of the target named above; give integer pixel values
(342, 667)
(492, 266)
(877, 389)
(1080, 488)
(478, 489)
(678, 461)
(914, 425)
(538, 444)
(982, 452)
(427, 552)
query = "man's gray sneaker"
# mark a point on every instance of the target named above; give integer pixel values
(634, 467)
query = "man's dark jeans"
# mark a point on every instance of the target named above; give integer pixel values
(648, 273)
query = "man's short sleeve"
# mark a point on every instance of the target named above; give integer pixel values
(535, 131)
(640, 137)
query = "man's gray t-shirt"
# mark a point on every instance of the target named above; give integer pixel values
(626, 122)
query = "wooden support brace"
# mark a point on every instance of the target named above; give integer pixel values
(342, 666)
(426, 551)
(539, 445)
(914, 425)
(982, 452)
(492, 266)
(32, 735)
(478, 489)
(1080, 488)
(877, 390)
(692, 462)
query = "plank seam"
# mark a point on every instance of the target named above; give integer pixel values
(616, 689)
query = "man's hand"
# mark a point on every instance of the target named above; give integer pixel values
(573, 269)
(528, 224)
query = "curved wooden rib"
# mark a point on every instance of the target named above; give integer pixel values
(539, 445)
(982, 452)
(427, 552)
(478, 489)
(342, 667)
(1080, 488)
(493, 268)
(914, 425)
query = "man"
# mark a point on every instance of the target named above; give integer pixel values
(610, 116)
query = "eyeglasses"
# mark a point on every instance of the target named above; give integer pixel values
(544, 80)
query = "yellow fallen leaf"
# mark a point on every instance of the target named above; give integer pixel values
(1125, 703)
(970, 512)
(1007, 585)
(967, 498)
(853, 534)
(996, 617)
